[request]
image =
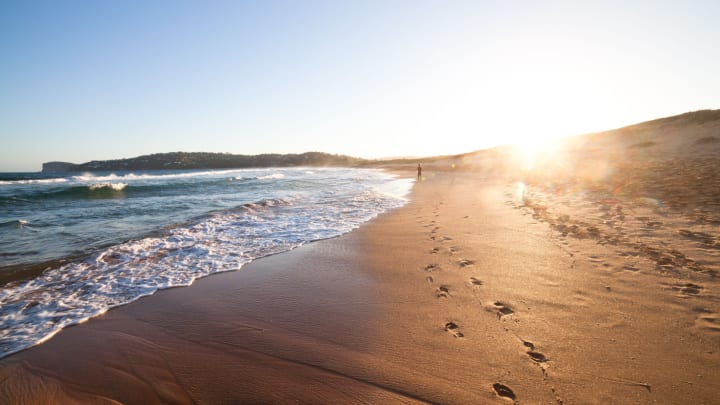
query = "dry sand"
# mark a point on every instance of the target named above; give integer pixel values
(482, 289)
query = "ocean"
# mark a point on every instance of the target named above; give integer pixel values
(74, 245)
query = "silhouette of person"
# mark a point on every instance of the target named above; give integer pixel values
(419, 171)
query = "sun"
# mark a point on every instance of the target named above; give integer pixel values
(533, 152)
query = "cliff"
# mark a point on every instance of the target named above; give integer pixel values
(55, 167)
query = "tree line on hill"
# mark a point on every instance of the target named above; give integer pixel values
(204, 160)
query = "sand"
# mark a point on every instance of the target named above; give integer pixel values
(482, 289)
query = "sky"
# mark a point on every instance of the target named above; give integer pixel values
(94, 80)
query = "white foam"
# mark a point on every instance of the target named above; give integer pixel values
(111, 186)
(88, 177)
(33, 181)
(272, 176)
(85, 178)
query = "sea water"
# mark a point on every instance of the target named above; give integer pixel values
(96, 241)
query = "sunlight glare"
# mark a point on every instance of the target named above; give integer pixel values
(520, 192)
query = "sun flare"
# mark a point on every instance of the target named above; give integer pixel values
(534, 151)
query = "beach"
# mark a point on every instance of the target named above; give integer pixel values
(467, 294)
(353, 202)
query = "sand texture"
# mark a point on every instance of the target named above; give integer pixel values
(590, 279)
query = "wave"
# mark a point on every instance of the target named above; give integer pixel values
(274, 202)
(154, 176)
(125, 177)
(272, 176)
(108, 186)
(113, 189)
(99, 190)
(20, 223)
(34, 181)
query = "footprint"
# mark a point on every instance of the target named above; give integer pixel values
(537, 356)
(708, 321)
(453, 249)
(630, 267)
(435, 250)
(465, 262)
(687, 289)
(502, 309)
(698, 236)
(528, 344)
(453, 329)
(442, 292)
(432, 267)
(476, 281)
(711, 323)
(504, 391)
(594, 259)
(429, 279)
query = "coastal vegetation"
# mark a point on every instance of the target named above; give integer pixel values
(204, 160)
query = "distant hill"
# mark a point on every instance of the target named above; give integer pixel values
(204, 160)
(690, 135)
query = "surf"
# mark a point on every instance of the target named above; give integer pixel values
(108, 242)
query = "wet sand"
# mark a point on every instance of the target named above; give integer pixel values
(465, 295)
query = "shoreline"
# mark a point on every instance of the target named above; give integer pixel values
(460, 296)
(221, 222)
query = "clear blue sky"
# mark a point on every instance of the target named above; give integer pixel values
(83, 80)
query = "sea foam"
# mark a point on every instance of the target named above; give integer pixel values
(108, 186)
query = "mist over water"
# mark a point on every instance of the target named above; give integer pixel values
(107, 239)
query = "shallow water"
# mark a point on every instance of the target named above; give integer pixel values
(106, 239)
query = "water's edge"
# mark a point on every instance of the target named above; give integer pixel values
(69, 291)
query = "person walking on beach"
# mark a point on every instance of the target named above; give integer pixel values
(419, 171)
